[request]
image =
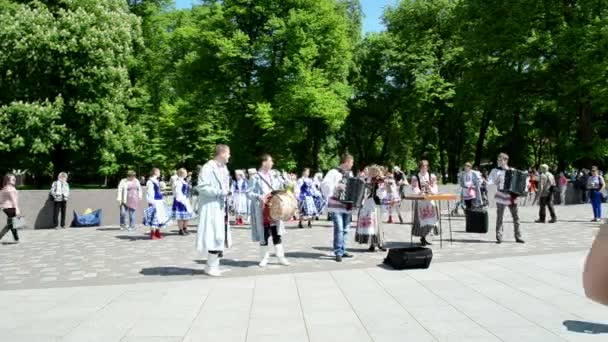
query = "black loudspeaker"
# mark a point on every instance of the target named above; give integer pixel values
(409, 258)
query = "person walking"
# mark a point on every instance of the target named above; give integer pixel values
(546, 186)
(595, 185)
(60, 193)
(128, 196)
(9, 202)
(563, 186)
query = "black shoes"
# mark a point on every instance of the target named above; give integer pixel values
(498, 242)
(372, 248)
(553, 220)
(300, 225)
(347, 255)
(539, 221)
(309, 224)
(519, 240)
(425, 242)
(338, 258)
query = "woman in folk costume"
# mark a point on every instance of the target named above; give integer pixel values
(213, 233)
(239, 197)
(392, 198)
(156, 215)
(470, 182)
(425, 212)
(369, 228)
(182, 209)
(308, 208)
(262, 226)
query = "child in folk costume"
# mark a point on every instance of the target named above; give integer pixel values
(318, 194)
(470, 182)
(182, 209)
(369, 228)
(156, 215)
(239, 197)
(392, 198)
(425, 212)
(308, 208)
(262, 226)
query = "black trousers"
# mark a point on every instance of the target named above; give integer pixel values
(271, 231)
(468, 203)
(545, 202)
(10, 213)
(57, 207)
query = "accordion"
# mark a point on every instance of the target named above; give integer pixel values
(355, 192)
(515, 182)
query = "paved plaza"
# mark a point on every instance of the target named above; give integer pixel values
(108, 285)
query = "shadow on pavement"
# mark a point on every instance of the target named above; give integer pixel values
(586, 327)
(232, 263)
(133, 237)
(472, 241)
(308, 255)
(348, 249)
(167, 271)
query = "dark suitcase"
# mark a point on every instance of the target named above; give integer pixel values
(409, 258)
(476, 221)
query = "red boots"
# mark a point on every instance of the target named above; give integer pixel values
(390, 219)
(155, 234)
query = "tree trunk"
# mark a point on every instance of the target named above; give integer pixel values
(483, 129)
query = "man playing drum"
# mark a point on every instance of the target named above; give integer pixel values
(262, 225)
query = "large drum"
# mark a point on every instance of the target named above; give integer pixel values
(515, 182)
(282, 205)
(355, 192)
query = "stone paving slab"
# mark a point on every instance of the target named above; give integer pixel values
(526, 298)
(89, 256)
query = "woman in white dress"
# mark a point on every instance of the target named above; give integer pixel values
(425, 212)
(239, 197)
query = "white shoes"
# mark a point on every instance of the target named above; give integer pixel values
(281, 255)
(264, 255)
(213, 265)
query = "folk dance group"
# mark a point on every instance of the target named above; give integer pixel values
(383, 193)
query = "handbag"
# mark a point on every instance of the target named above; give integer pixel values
(18, 222)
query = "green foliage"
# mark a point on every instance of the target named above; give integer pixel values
(96, 87)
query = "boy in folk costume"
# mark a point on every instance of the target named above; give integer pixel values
(306, 190)
(504, 200)
(155, 216)
(262, 226)
(182, 209)
(213, 232)
(369, 228)
(425, 212)
(239, 197)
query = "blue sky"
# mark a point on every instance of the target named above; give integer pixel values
(371, 8)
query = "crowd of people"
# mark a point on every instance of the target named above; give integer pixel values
(248, 192)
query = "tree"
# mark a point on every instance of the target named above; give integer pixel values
(76, 55)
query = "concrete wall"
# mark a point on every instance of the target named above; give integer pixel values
(38, 210)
